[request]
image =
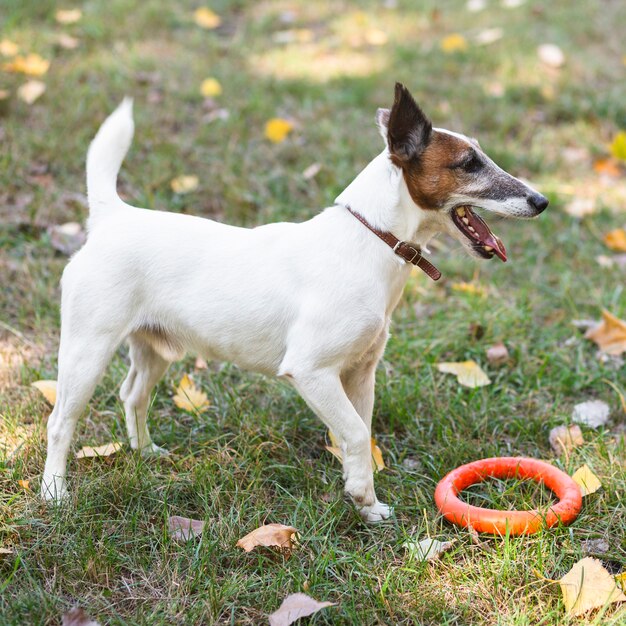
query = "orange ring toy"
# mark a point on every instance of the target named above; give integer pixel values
(514, 522)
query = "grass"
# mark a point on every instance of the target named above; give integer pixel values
(257, 455)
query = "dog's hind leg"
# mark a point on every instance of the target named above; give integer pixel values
(146, 369)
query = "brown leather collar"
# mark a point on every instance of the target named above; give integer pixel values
(410, 253)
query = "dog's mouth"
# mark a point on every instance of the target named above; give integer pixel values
(483, 241)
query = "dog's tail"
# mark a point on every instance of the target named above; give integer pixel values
(104, 159)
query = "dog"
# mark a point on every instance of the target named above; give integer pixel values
(310, 303)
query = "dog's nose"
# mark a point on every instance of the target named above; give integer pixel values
(538, 202)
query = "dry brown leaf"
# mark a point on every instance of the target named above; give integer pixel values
(24, 484)
(184, 528)
(68, 16)
(31, 65)
(565, 438)
(31, 91)
(200, 364)
(588, 586)
(189, 398)
(48, 389)
(616, 240)
(270, 536)
(593, 413)
(609, 334)
(277, 129)
(184, 184)
(427, 549)
(294, 607)
(206, 18)
(497, 354)
(468, 373)
(6, 551)
(87, 452)
(586, 480)
(8, 48)
(607, 167)
(78, 617)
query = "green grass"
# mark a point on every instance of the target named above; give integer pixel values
(257, 455)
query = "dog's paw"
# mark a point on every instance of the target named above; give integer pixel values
(153, 451)
(54, 490)
(378, 512)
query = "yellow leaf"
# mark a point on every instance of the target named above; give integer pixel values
(621, 579)
(48, 389)
(277, 129)
(87, 452)
(609, 334)
(618, 147)
(586, 480)
(189, 398)
(31, 65)
(210, 88)
(206, 18)
(453, 43)
(24, 484)
(270, 536)
(607, 167)
(68, 16)
(31, 91)
(8, 48)
(468, 373)
(588, 586)
(334, 448)
(616, 240)
(471, 288)
(184, 184)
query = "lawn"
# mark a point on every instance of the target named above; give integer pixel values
(257, 455)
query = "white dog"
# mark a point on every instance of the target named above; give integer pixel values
(309, 302)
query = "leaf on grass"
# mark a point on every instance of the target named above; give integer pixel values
(565, 438)
(468, 373)
(31, 91)
(184, 528)
(48, 389)
(586, 480)
(4, 94)
(489, 36)
(24, 484)
(184, 184)
(378, 463)
(607, 167)
(210, 88)
(189, 398)
(616, 240)
(427, 549)
(205, 18)
(453, 43)
(31, 65)
(8, 48)
(621, 579)
(78, 617)
(277, 129)
(618, 146)
(471, 288)
(312, 171)
(87, 452)
(609, 334)
(588, 586)
(6, 551)
(270, 536)
(376, 37)
(551, 55)
(497, 354)
(68, 16)
(67, 42)
(581, 207)
(592, 413)
(67, 238)
(294, 607)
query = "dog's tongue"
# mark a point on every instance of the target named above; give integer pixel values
(487, 238)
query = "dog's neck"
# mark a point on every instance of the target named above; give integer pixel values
(379, 193)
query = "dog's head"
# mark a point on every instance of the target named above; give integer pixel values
(446, 174)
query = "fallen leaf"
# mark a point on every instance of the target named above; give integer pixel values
(621, 578)
(586, 480)
(31, 65)
(376, 37)
(67, 41)
(293, 35)
(78, 617)
(294, 607)
(497, 354)
(592, 413)
(551, 55)
(468, 373)
(24, 484)
(200, 364)
(607, 167)
(609, 334)
(68, 16)
(427, 549)
(8, 48)
(471, 288)
(453, 43)
(618, 146)
(312, 171)
(206, 18)
(565, 438)
(581, 207)
(31, 91)
(277, 129)
(594, 546)
(48, 389)
(378, 463)
(189, 398)
(6, 551)
(588, 586)
(87, 452)
(67, 238)
(4, 94)
(616, 240)
(512, 4)
(474, 6)
(489, 36)
(604, 261)
(210, 88)
(184, 528)
(270, 536)
(184, 184)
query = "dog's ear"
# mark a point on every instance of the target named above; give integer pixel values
(382, 121)
(408, 128)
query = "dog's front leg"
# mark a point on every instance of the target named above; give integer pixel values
(323, 392)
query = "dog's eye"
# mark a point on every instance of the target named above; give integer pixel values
(473, 165)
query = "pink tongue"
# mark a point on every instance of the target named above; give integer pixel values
(496, 244)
